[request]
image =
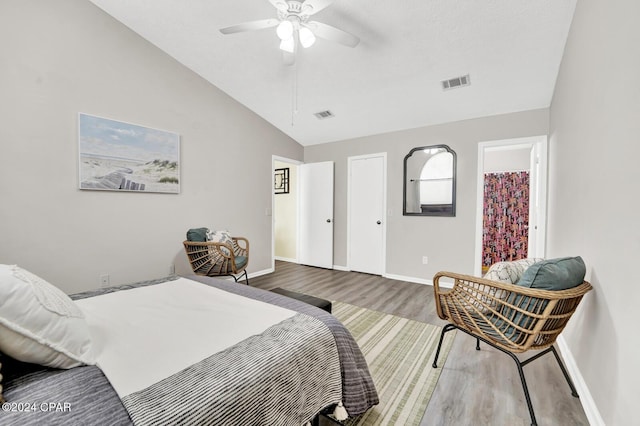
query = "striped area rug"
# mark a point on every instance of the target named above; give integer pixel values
(400, 355)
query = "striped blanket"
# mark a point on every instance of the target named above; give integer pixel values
(185, 363)
(278, 377)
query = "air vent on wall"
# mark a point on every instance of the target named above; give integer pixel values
(323, 114)
(454, 83)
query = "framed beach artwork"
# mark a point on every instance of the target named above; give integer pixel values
(118, 156)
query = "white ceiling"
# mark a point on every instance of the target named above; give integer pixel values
(391, 81)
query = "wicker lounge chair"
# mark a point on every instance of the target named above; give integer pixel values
(511, 318)
(215, 259)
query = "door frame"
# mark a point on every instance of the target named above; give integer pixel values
(384, 207)
(275, 158)
(537, 192)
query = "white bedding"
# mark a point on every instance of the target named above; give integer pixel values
(172, 321)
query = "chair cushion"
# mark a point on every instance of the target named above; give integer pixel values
(40, 324)
(241, 262)
(197, 234)
(554, 274)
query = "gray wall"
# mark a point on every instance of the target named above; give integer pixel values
(593, 189)
(449, 242)
(67, 56)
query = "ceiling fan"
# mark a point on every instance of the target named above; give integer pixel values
(294, 27)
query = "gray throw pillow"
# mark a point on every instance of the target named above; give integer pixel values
(197, 234)
(554, 274)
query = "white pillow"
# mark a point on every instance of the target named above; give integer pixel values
(221, 237)
(39, 323)
(510, 271)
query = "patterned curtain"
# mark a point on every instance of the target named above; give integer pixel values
(505, 228)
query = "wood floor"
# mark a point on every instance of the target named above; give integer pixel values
(475, 387)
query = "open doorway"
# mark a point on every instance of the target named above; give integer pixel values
(511, 200)
(285, 210)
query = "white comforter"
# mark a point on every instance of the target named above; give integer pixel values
(143, 335)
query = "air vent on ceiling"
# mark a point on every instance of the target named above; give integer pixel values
(323, 114)
(454, 83)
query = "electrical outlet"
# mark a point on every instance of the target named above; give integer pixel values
(104, 280)
(425, 260)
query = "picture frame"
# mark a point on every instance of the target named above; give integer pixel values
(281, 181)
(119, 156)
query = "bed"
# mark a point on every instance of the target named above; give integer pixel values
(301, 362)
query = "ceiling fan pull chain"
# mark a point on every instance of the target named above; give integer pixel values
(294, 93)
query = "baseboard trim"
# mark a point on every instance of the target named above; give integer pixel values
(259, 273)
(251, 275)
(341, 268)
(408, 279)
(286, 259)
(587, 401)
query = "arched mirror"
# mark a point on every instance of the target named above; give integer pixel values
(430, 181)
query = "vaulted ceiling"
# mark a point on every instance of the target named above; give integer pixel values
(511, 50)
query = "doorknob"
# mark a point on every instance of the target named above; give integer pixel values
(328, 220)
(378, 222)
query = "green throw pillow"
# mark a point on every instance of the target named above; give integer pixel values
(197, 234)
(554, 274)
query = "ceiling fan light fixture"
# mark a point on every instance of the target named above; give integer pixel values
(285, 30)
(288, 45)
(307, 38)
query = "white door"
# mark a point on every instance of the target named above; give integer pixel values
(316, 214)
(367, 206)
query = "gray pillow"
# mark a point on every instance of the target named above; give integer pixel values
(197, 234)
(554, 274)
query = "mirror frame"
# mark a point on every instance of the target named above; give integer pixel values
(453, 184)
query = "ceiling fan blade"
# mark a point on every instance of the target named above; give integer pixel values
(310, 7)
(330, 33)
(250, 26)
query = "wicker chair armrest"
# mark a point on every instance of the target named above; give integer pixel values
(244, 247)
(460, 283)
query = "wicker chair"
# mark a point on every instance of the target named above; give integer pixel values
(215, 259)
(511, 318)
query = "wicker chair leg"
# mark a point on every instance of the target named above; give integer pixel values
(552, 348)
(519, 364)
(574, 392)
(446, 328)
(477, 344)
(239, 277)
(524, 387)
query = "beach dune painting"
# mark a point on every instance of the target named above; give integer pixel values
(117, 156)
